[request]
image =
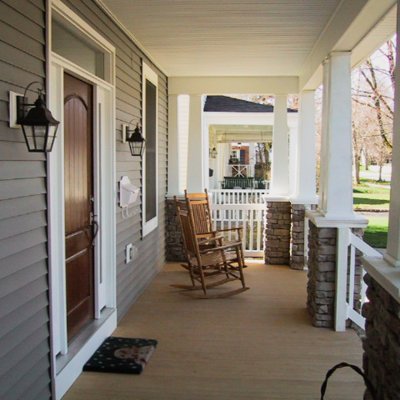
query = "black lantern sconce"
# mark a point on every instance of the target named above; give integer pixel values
(135, 139)
(213, 152)
(38, 124)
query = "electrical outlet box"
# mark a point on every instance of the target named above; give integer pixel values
(128, 253)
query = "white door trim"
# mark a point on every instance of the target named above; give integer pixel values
(105, 195)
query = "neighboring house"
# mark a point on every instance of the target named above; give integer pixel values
(107, 65)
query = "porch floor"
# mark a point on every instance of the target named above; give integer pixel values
(257, 345)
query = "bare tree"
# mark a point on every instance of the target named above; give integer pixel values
(378, 92)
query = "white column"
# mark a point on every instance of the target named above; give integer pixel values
(393, 245)
(197, 146)
(293, 144)
(252, 159)
(174, 184)
(336, 152)
(305, 171)
(280, 149)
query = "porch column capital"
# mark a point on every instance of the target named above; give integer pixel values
(280, 149)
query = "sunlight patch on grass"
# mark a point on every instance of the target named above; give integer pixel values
(376, 232)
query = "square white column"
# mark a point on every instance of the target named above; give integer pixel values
(280, 149)
(336, 186)
(305, 157)
(393, 245)
(173, 147)
(198, 147)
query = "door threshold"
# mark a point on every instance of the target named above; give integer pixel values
(81, 348)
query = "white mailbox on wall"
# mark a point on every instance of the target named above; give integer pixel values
(128, 192)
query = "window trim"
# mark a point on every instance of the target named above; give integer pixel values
(150, 75)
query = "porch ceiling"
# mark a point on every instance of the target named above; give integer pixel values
(243, 38)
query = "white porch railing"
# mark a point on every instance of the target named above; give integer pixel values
(239, 170)
(350, 286)
(245, 208)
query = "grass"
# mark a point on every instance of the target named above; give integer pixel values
(376, 232)
(371, 196)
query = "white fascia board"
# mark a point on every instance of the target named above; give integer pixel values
(233, 85)
(352, 21)
(237, 118)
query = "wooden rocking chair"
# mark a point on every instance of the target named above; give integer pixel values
(210, 262)
(198, 205)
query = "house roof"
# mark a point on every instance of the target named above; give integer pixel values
(231, 104)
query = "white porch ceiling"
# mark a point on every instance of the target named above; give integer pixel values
(243, 38)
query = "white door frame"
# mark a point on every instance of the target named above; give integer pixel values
(67, 359)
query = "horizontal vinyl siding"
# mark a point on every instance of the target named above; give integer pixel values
(132, 278)
(24, 317)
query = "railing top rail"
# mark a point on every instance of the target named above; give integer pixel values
(365, 248)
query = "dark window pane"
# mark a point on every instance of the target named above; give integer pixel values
(151, 151)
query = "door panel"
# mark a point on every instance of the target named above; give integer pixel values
(78, 189)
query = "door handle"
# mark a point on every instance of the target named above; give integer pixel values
(95, 226)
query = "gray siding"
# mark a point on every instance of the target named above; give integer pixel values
(24, 317)
(132, 278)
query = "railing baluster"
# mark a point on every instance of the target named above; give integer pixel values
(352, 271)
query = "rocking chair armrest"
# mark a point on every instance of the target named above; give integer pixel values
(208, 239)
(220, 248)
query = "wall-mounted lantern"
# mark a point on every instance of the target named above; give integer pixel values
(134, 138)
(213, 152)
(38, 124)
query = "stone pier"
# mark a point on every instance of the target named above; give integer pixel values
(297, 259)
(174, 241)
(277, 233)
(382, 342)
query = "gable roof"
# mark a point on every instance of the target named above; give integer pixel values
(230, 104)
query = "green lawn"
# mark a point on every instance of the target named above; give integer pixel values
(376, 232)
(373, 196)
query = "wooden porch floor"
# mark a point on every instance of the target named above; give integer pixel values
(257, 345)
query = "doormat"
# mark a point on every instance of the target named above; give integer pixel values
(121, 355)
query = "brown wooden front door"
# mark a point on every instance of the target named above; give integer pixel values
(78, 186)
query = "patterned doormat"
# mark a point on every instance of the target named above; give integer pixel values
(121, 355)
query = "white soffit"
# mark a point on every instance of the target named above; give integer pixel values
(226, 37)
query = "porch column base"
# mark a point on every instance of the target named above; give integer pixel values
(381, 344)
(277, 233)
(322, 264)
(321, 275)
(173, 235)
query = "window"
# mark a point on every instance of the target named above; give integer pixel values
(150, 160)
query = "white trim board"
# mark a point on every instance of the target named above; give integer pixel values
(66, 366)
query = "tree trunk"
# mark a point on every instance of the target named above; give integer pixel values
(380, 172)
(357, 165)
(366, 159)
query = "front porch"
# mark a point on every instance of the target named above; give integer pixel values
(258, 345)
